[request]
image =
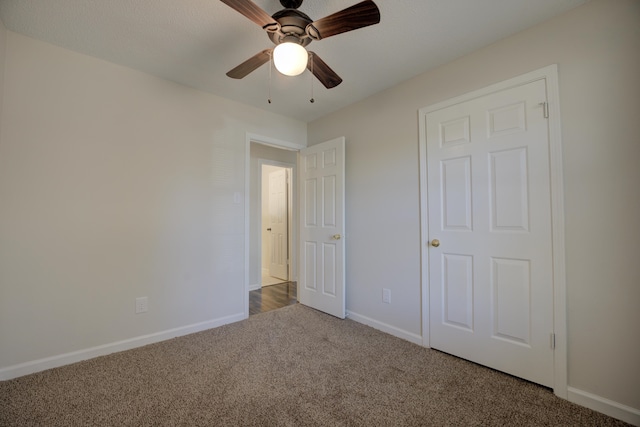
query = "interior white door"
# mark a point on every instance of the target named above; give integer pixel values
(278, 224)
(490, 277)
(322, 227)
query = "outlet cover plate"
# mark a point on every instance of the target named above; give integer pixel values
(386, 296)
(142, 305)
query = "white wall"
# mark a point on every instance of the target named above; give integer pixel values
(597, 47)
(261, 152)
(115, 185)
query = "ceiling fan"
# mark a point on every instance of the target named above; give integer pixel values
(291, 30)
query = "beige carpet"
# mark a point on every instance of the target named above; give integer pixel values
(288, 367)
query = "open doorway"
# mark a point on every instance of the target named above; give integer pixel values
(271, 205)
(321, 196)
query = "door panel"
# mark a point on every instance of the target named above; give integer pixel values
(322, 227)
(457, 286)
(508, 190)
(456, 193)
(278, 223)
(511, 285)
(491, 288)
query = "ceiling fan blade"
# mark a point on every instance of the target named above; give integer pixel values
(250, 64)
(254, 13)
(323, 72)
(357, 16)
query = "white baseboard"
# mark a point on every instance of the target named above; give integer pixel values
(608, 407)
(391, 330)
(31, 367)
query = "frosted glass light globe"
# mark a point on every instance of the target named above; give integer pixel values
(290, 58)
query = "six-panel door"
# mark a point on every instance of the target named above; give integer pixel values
(490, 278)
(322, 229)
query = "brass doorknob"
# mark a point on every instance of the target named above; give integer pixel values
(336, 237)
(435, 243)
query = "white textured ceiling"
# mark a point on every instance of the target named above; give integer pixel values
(195, 42)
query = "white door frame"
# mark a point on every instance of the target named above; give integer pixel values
(550, 74)
(271, 142)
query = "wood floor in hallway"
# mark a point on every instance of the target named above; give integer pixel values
(272, 297)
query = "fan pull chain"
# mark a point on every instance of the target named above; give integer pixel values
(311, 57)
(270, 67)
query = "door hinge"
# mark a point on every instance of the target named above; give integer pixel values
(553, 341)
(545, 109)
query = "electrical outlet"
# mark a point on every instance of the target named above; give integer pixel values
(142, 305)
(386, 296)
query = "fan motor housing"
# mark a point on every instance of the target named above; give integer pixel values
(293, 23)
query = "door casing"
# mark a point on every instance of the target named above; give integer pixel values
(550, 74)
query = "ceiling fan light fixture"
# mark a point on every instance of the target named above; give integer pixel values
(290, 58)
